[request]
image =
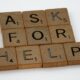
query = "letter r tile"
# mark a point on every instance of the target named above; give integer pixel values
(57, 16)
(29, 57)
(8, 59)
(10, 20)
(61, 34)
(53, 55)
(34, 18)
(72, 51)
(14, 37)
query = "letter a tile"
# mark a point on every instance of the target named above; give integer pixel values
(14, 37)
(72, 51)
(11, 20)
(57, 16)
(8, 59)
(29, 57)
(53, 55)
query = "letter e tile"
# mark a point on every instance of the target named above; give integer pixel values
(29, 57)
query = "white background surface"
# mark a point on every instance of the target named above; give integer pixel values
(60, 73)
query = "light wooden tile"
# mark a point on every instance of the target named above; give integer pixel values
(72, 51)
(53, 55)
(11, 20)
(14, 37)
(61, 34)
(29, 57)
(57, 16)
(38, 35)
(34, 18)
(8, 59)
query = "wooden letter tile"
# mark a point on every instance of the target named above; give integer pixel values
(34, 18)
(57, 16)
(14, 37)
(29, 57)
(11, 20)
(38, 35)
(61, 34)
(53, 55)
(72, 51)
(8, 59)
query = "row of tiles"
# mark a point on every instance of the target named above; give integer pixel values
(38, 35)
(52, 55)
(38, 18)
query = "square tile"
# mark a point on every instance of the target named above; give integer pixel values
(29, 57)
(34, 18)
(14, 37)
(8, 59)
(57, 16)
(72, 51)
(61, 34)
(10, 20)
(53, 55)
(38, 35)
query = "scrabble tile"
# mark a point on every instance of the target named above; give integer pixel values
(38, 35)
(29, 57)
(72, 51)
(53, 55)
(34, 18)
(61, 34)
(57, 16)
(8, 59)
(11, 20)
(14, 37)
